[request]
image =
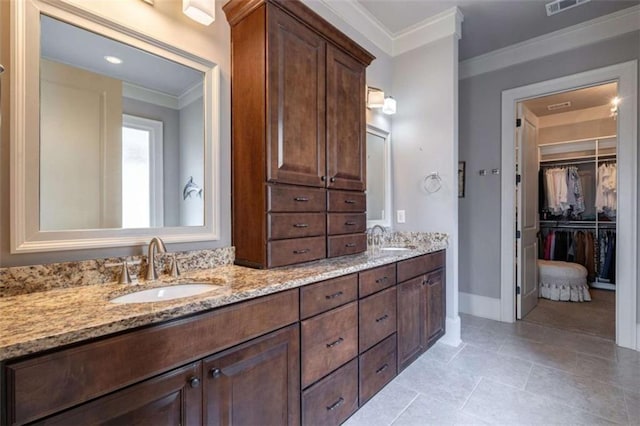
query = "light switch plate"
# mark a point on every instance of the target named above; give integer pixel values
(400, 216)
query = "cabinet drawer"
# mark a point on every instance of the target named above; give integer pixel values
(376, 279)
(346, 223)
(317, 298)
(34, 385)
(332, 400)
(346, 201)
(295, 225)
(288, 252)
(284, 198)
(328, 341)
(377, 317)
(341, 245)
(377, 368)
(420, 265)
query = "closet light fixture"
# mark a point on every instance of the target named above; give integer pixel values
(389, 106)
(201, 11)
(375, 97)
(614, 106)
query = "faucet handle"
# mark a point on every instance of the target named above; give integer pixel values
(125, 277)
(175, 269)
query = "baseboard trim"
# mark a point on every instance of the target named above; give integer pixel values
(638, 337)
(452, 336)
(479, 306)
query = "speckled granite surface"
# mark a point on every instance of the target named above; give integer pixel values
(47, 319)
(19, 280)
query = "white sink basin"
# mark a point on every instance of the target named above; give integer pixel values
(394, 249)
(160, 294)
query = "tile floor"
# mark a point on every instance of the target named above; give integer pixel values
(512, 374)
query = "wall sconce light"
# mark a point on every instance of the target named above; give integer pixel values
(389, 106)
(375, 97)
(201, 11)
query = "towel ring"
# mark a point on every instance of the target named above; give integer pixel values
(432, 183)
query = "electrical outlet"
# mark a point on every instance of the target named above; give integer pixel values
(400, 216)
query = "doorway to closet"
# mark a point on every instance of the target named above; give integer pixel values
(566, 165)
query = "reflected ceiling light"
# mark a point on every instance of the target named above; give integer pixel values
(201, 11)
(375, 97)
(614, 107)
(389, 106)
(113, 60)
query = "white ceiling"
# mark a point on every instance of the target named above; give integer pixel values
(588, 97)
(488, 24)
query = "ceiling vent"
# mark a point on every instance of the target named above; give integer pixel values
(561, 105)
(562, 5)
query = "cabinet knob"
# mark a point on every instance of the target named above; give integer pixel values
(215, 373)
(323, 178)
(194, 382)
(332, 179)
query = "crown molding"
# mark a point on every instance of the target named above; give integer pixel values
(359, 18)
(585, 33)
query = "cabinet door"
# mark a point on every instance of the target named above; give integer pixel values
(296, 102)
(346, 161)
(256, 383)
(436, 305)
(411, 314)
(174, 398)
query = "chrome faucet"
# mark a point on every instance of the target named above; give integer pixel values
(156, 244)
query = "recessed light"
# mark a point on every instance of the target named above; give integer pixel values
(113, 60)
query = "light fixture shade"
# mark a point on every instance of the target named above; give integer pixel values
(201, 11)
(375, 98)
(389, 106)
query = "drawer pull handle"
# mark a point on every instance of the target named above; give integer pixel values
(426, 282)
(194, 382)
(215, 373)
(336, 404)
(382, 318)
(350, 245)
(381, 369)
(380, 280)
(333, 296)
(350, 223)
(350, 201)
(301, 199)
(303, 251)
(300, 225)
(335, 342)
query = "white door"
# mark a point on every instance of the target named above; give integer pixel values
(527, 212)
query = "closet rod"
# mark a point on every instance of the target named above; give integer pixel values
(565, 162)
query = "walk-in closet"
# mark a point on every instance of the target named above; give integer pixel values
(576, 138)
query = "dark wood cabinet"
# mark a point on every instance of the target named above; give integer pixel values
(346, 160)
(296, 115)
(173, 398)
(298, 119)
(255, 383)
(421, 305)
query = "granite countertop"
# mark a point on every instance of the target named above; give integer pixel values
(44, 320)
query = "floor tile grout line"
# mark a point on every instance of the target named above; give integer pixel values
(528, 376)
(470, 394)
(405, 408)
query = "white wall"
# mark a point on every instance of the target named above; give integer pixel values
(425, 140)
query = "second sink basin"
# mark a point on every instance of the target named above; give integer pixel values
(161, 294)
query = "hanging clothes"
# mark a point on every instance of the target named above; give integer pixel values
(562, 187)
(606, 189)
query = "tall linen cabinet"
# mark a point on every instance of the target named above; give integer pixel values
(298, 135)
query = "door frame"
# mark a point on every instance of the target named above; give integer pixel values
(626, 74)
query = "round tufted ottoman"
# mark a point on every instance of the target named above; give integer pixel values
(563, 281)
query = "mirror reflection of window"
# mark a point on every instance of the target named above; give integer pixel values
(142, 173)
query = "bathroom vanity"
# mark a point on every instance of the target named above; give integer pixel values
(270, 347)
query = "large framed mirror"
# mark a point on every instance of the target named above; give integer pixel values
(114, 135)
(378, 177)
